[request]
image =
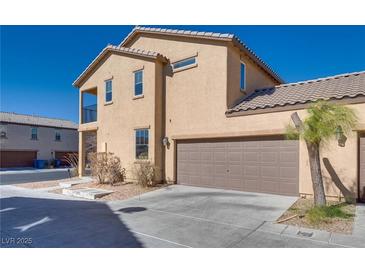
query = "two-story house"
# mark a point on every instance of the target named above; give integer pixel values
(24, 138)
(207, 111)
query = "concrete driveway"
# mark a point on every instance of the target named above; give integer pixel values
(176, 216)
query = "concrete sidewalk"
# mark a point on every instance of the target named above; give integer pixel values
(174, 216)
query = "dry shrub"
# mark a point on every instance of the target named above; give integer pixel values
(144, 173)
(72, 159)
(106, 168)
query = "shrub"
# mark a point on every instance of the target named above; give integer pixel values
(319, 214)
(144, 173)
(72, 160)
(106, 168)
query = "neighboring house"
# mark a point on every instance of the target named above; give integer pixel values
(26, 137)
(209, 112)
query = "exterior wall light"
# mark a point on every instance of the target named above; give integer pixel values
(340, 137)
(165, 141)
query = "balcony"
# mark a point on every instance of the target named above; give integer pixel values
(88, 106)
(89, 114)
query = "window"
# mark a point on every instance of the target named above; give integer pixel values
(58, 136)
(138, 83)
(108, 91)
(34, 133)
(184, 63)
(243, 77)
(3, 132)
(142, 144)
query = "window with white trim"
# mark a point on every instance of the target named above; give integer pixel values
(57, 136)
(138, 83)
(142, 144)
(108, 91)
(243, 77)
(184, 63)
(34, 133)
(3, 131)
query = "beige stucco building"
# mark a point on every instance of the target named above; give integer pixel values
(24, 138)
(208, 112)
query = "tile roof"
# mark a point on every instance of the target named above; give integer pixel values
(348, 85)
(117, 49)
(206, 35)
(10, 117)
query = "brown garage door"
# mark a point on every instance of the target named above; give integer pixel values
(362, 169)
(17, 158)
(269, 166)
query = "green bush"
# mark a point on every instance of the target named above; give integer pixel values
(319, 214)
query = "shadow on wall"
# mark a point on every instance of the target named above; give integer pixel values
(349, 194)
(62, 223)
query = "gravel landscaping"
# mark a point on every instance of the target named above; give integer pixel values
(44, 184)
(339, 218)
(121, 191)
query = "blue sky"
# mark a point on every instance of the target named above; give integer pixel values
(39, 63)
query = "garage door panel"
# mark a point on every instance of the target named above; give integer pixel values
(288, 156)
(206, 169)
(287, 189)
(235, 170)
(251, 171)
(235, 156)
(184, 155)
(288, 172)
(270, 171)
(10, 158)
(269, 186)
(206, 156)
(251, 185)
(194, 156)
(257, 165)
(251, 156)
(270, 157)
(220, 169)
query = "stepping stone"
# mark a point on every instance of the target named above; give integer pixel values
(75, 182)
(87, 193)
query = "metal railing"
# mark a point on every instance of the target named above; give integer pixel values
(89, 114)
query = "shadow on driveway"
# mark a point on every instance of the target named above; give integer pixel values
(39, 222)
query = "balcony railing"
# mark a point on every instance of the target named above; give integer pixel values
(89, 114)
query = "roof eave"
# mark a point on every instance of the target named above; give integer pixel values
(228, 38)
(110, 49)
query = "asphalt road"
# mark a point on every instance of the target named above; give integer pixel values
(10, 177)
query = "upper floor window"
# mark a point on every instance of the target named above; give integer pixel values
(189, 62)
(243, 77)
(108, 91)
(34, 133)
(3, 132)
(138, 83)
(57, 136)
(142, 144)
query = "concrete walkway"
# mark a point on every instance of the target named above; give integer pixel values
(175, 216)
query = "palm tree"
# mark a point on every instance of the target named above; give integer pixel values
(325, 121)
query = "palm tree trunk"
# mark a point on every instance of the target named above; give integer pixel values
(317, 181)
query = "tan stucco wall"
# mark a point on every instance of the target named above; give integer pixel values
(255, 76)
(196, 100)
(117, 122)
(343, 159)
(19, 138)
